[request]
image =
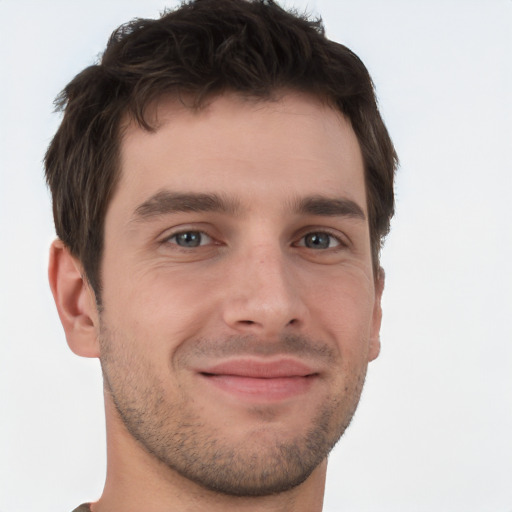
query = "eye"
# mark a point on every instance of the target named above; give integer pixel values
(319, 240)
(190, 239)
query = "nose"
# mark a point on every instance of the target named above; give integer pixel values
(263, 294)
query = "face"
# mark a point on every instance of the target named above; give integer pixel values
(240, 309)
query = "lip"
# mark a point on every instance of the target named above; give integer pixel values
(257, 380)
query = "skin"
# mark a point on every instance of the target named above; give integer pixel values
(277, 277)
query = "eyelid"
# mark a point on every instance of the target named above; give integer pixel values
(169, 234)
(341, 239)
(202, 234)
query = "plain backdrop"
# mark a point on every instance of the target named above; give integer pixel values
(434, 428)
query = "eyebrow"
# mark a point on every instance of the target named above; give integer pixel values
(166, 202)
(330, 207)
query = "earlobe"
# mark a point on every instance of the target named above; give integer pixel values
(374, 348)
(75, 301)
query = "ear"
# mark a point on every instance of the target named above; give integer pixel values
(75, 301)
(374, 348)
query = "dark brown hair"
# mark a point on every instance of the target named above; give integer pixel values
(199, 50)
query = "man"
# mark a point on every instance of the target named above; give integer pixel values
(222, 182)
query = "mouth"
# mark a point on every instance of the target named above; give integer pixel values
(257, 380)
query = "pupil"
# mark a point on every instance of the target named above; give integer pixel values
(317, 241)
(190, 239)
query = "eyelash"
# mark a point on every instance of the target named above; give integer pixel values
(340, 244)
(174, 236)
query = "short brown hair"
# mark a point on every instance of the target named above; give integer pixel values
(201, 49)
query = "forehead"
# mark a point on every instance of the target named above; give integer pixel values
(294, 145)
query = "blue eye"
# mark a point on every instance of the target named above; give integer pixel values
(190, 239)
(319, 240)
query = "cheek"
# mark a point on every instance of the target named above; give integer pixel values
(343, 309)
(158, 304)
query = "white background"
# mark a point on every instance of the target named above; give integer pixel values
(434, 428)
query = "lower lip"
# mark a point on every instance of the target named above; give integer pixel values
(262, 389)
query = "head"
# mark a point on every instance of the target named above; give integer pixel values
(224, 181)
(201, 50)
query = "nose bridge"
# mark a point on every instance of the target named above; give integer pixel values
(264, 295)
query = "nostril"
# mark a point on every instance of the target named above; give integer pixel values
(293, 321)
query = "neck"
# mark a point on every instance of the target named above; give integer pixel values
(136, 481)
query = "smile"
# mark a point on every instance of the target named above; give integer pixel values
(261, 381)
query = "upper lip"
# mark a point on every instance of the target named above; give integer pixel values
(259, 369)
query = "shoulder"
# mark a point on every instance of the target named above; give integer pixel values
(83, 508)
